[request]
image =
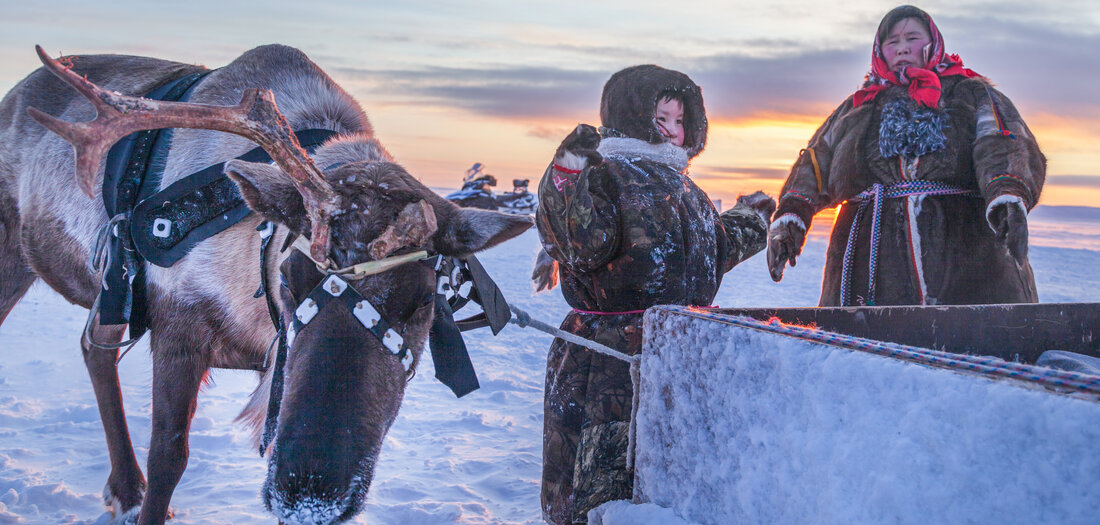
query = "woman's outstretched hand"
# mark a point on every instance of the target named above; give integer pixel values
(1008, 219)
(785, 239)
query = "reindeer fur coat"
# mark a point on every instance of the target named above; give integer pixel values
(935, 249)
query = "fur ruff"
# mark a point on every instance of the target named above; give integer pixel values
(785, 219)
(630, 149)
(910, 130)
(1002, 200)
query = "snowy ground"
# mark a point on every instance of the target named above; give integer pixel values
(474, 460)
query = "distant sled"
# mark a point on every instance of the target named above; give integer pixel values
(477, 192)
(519, 200)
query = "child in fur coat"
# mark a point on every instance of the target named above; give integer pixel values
(628, 229)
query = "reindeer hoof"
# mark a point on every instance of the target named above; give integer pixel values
(124, 509)
(126, 518)
(130, 517)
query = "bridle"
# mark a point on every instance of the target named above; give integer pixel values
(455, 287)
(334, 286)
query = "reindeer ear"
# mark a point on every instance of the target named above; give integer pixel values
(472, 230)
(270, 192)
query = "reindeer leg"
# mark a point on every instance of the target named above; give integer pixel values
(125, 484)
(177, 374)
(15, 280)
(15, 276)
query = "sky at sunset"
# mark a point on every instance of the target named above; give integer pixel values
(447, 84)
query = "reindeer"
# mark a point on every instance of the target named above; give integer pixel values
(343, 385)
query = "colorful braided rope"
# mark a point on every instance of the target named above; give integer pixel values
(1061, 381)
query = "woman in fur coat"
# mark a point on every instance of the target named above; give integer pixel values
(629, 230)
(935, 170)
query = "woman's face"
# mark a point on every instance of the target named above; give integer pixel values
(670, 119)
(904, 44)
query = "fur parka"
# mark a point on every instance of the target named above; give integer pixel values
(932, 249)
(629, 230)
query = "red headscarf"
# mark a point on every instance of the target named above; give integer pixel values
(924, 82)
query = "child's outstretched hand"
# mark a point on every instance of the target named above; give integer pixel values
(578, 147)
(761, 203)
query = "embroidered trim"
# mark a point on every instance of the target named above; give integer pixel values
(562, 181)
(997, 114)
(1008, 176)
(563, 169)
(916, 256)
(817, 167)
(799, 196)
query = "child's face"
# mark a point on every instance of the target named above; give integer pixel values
(670, 120)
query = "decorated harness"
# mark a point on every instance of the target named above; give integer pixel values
(458, 282)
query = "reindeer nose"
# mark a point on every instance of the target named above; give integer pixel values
(302, 499)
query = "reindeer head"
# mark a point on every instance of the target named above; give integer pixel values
(343, 386)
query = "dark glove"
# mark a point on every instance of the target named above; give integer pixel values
(785, 240)
(582, 142)
(545, 273)
(760, 202)
(1009, 223)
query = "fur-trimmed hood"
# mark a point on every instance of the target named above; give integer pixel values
(630, 99)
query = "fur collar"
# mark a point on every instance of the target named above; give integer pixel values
(628, 148)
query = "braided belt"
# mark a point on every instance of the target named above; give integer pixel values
(873, 196)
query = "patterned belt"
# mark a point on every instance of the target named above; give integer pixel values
(874, 196)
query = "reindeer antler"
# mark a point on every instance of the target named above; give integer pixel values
(255, 118)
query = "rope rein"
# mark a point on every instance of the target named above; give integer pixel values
(1062, 381)
(524, 319)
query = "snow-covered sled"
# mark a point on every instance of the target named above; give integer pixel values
(869, 415)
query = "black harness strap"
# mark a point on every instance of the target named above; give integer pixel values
(449, 354)
(167, 225)
(275, 397)
(126, 180)
(495, 313)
